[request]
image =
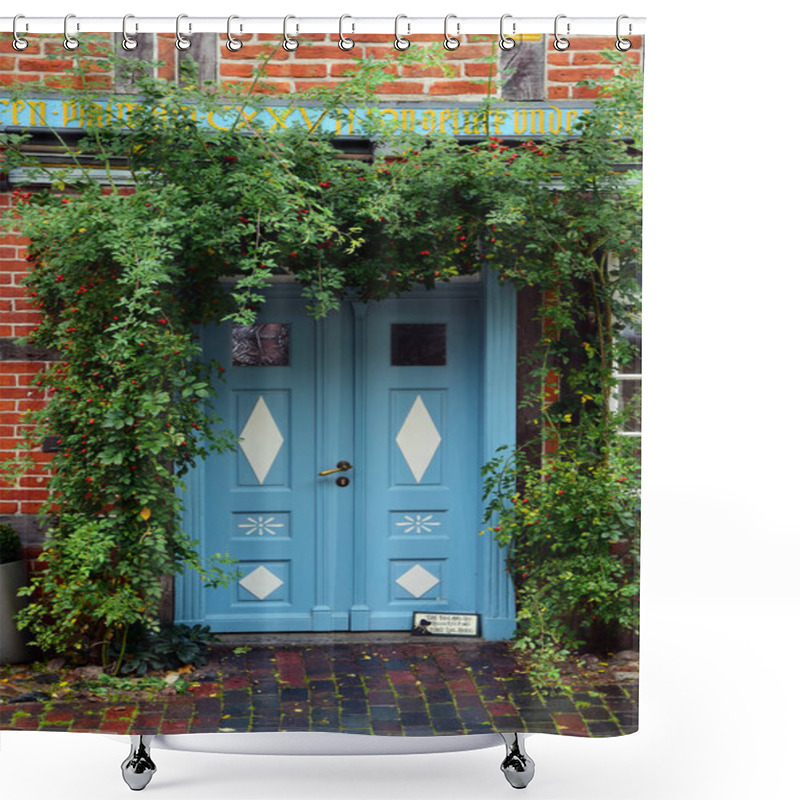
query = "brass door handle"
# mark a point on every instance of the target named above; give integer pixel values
(342, 466)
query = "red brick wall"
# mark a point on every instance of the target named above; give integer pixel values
(320, 62)
(580, 62)
(317, 62)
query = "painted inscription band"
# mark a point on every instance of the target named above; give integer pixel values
(530, 120)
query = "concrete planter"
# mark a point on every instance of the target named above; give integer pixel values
(13, 650)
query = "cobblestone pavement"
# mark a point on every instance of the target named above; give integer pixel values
(401, 689)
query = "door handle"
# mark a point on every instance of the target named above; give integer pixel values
(341, 466)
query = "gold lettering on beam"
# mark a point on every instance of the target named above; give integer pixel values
(408, 120)
(310, 124)
(392, 116)
(448, 114)
(280, 119)
(498, 119)
(429, 121)
(520, 121)
(212, 123)
(572, 115)
(555, 119)
(70, 113)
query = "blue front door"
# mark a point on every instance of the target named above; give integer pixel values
(389, 394)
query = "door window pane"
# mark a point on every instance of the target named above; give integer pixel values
(419, 344)
(263, 345)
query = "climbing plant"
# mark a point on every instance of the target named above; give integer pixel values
(160, 224)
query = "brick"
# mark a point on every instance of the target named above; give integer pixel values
(342, 70)
(320, 52)
(262, 87)
(380, 52)
(400, 87)
(237, 70)
(34, 45)
(583, 59)
(304, 85)
(584, 93)
(480, 69)
(457, 87)
(424, 72)
(469, 51)
(558, 92)
(559, 59)
(37, 496)
(298, 70)
(575, 75)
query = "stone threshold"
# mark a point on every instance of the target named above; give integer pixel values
(338, 637)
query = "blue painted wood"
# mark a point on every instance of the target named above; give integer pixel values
(499, 429)
(422, 524)
(267, 522)
(352, 558)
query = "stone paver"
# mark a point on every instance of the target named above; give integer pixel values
(417, 689)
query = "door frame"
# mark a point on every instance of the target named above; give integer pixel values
(497, 414)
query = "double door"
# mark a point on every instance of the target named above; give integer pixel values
(353, 498)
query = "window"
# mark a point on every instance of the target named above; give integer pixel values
(203, 53)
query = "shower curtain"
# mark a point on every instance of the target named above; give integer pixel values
(321, 365)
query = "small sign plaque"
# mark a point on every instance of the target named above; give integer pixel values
(433, 624)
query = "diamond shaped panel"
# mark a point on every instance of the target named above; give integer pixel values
(261, 583)
(261, 440)
(418, 439)
(417, 581)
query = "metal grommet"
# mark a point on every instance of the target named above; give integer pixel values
(234, 45)
(70, 42)
(181, 42)
(19, 43)
(450, 42)
(560, 43)
(400, 42)
(623, 45)
(506, 42)
(128, 42)
(289, 44)
(345, 43)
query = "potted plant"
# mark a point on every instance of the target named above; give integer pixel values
(13, 576)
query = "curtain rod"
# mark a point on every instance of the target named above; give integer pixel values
(350, 25)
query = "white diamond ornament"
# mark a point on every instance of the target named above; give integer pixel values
(261, 440)
(418, 439)
(261, 583)
(417, 581)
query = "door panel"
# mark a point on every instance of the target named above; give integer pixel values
(422, 471)
(259, 503)
(392, 388)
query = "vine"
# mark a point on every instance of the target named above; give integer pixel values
(189, 224)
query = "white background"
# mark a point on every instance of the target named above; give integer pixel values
(719, 709)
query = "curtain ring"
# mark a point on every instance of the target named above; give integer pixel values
(400, 42)
(181, 42)
(289, 44)
(70, 42)
(506, 42)
(234, 45)
(19, 43)
(450, 42)
(560, 43)
(128, 42)
(345, 43)
(623, 45)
